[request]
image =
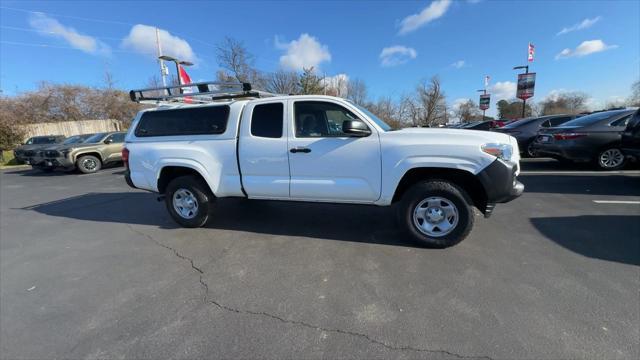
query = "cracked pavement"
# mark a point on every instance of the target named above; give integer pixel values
(106, 274)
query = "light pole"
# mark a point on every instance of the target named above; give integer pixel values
(526, 71)
(484, 92)
(178, 63)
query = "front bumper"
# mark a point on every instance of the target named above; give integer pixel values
(58, 162)
(500, 183)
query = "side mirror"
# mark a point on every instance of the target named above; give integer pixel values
(108, 141)
(355, 128)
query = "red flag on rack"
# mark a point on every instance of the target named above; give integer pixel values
(185, 79)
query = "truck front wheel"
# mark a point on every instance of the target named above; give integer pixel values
(188, 200)
(436, 213)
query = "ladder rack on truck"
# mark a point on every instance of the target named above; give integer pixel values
(201, 92)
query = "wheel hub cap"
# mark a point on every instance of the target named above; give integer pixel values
(89, 164)
(435, 216)
(611, 158)
(185, 203)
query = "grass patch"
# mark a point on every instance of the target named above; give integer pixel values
(8, 159)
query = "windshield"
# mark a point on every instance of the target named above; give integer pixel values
(375, 119)
(95, 138)
(518, 123)
(593, 118)
(41, 140)
(76, 139)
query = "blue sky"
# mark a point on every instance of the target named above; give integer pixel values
(390, 45)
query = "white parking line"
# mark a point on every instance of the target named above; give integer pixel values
(616, 202)
(543, 172)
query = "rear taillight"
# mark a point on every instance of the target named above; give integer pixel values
(125, 157)
(568, 136)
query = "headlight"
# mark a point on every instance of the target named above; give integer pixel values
(501, 151)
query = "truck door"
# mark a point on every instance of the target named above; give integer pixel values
(327, 164)
(113, 149)
(262, 150)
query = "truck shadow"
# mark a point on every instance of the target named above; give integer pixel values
(606, 237)
(368, 224)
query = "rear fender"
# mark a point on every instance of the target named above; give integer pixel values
(211, 176)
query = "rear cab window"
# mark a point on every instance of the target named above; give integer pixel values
(267, 120)
(206, 120)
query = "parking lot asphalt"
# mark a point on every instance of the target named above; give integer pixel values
(90, 268)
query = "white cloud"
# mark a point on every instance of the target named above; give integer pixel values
(51, 27)
(305, 52)
(503, 90)
(584, 24)
(458, 64)
(142, 39)
(585, 48)
(457, 102)
(397, 55)
(436, 9)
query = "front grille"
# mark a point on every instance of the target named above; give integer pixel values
(51, 153)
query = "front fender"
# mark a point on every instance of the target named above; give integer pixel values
(391, 179)
(74, 156)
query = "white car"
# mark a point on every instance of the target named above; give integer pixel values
(316, 149)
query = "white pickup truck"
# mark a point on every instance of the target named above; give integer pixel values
(317, 149)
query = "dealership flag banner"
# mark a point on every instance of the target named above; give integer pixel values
(526, 84)
(485, 100)
(532, 50)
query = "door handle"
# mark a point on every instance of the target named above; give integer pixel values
(300, 149)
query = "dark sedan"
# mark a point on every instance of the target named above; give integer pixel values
(26, 151)
(594, 137)
(630, 143)
(480, 125)
(526, 130)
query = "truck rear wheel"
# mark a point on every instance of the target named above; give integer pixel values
(436, 213)
(188, 200)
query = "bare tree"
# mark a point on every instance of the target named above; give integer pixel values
(564, 103)
(283, 82)
(386, 110)
(357, 91)
(433, 102)
(410, 111)
(467, 111)
(336, 85)
(634, 99)
(237, 62)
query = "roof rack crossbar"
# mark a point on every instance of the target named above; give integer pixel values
(202, 91)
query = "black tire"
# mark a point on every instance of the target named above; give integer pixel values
(46, 169)
(453, 195)
(529, 152)
(88, 164)
(612, 164)
(202, 196)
